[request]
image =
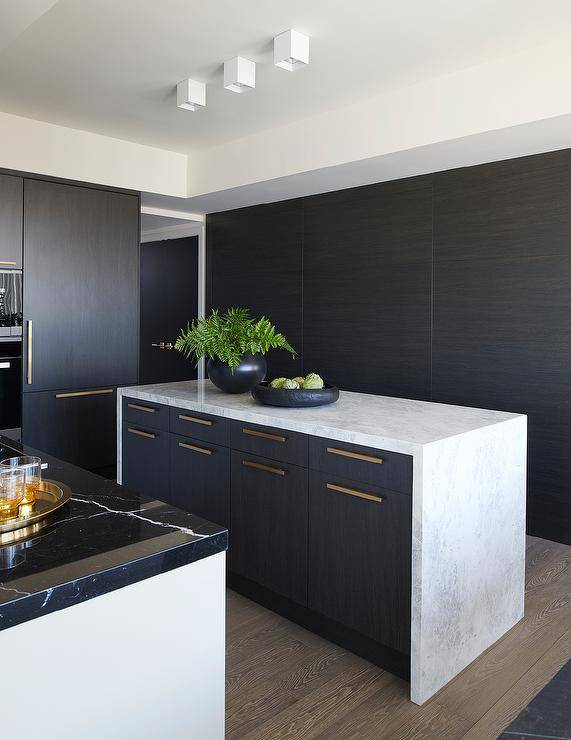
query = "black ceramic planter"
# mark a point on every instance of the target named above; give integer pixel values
(251, 371)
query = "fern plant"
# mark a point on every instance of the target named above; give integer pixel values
(228, 336)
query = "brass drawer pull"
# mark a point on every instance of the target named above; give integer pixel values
(141, 408)
(30, 348)
(265, 435)
(355, 455)
(196, 420)
(76, 394)
(7, 262)
(141, 434)
(353, 492)
(261, 466)
(195, 448)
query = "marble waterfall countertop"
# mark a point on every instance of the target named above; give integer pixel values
(107, 537)
(395, 424)
(468, 507)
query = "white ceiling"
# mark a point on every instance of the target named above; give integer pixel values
(111, 66)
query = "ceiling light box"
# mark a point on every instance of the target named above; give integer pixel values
(190, 93)
(239, 74)
(291, 50)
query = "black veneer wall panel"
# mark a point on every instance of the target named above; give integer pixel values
(502, 314)
(255, 260)
(367, 289)
(454, 287)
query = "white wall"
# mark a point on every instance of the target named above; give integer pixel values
(42, 148)
(516, 90)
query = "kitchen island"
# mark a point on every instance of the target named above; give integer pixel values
(112, 617)
(391, 526)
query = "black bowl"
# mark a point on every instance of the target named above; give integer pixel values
(295, 398)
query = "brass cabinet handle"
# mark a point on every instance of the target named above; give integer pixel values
(7, 262)
(76, 394)
(196, 420)
(354, 492)
(261, 466)
(355, 455)
(141, 434)
(265, 435)
(204, 450)
(30, 345)
(141, 408)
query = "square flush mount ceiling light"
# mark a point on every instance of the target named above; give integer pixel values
(190, 93)
(291, 50)
(239, 74)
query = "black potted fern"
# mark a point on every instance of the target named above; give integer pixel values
(235, 345)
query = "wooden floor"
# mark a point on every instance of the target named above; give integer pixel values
(283, 681)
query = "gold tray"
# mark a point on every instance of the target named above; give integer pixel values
(50, 496)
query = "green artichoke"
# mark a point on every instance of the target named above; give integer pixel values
(313, 381)
(299, 380)
(278, 383)
(290, 385)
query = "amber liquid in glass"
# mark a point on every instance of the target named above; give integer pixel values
(30, 495)
(9, 508)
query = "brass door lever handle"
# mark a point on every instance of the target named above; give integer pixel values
(163, 345)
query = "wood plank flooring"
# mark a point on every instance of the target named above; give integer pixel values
(284, 682)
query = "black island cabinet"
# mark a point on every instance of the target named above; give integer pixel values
(319, 530)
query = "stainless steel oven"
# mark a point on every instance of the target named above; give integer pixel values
(10, 303)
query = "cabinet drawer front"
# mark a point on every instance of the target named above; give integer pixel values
(360, 557)
(78, 426)
(277, 444)
(268, 528)
(145, 460)
(200, 478)
(377, 467)
(148, 414)
(199, 426)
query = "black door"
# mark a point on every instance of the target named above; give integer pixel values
(269, 524)
(200, 478)
(81, 263)
(360, 557)
(11, 221)
(169, 299)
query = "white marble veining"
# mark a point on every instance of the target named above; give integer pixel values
(468, 528)
(468, 556)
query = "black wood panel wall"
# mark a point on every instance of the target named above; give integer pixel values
(454, 287)
(255, 260)
(367, 288)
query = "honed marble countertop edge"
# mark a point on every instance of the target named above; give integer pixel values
(395, 424)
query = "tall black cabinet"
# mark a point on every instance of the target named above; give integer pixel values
(81, 317)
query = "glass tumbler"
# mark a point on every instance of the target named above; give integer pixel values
(32, 467)
(12, 491)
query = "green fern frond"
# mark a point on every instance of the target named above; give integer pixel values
(228, 336)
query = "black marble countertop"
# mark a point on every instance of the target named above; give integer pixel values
(105, 538)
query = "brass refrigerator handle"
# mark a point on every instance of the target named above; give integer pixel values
(265, 435)
(195, 448)
(195, 420)
(355, 455)
(261, 466)
(141, 408)
(75, 394)
(140, 433)
(30, 346)
(354, 492)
